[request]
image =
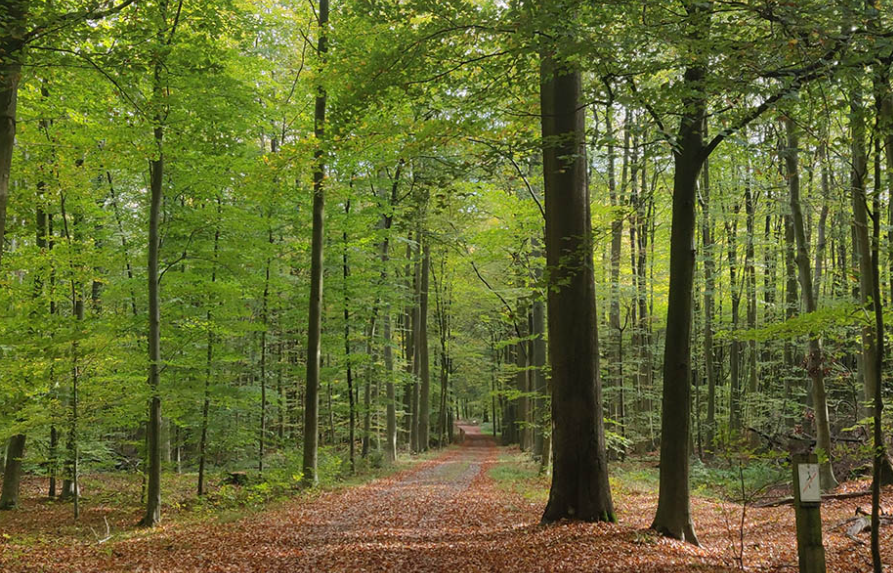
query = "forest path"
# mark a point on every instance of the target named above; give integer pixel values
(445, 514)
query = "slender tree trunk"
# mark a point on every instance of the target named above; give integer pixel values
(541, 417)
(265, 319)
(281, 393)
(156, 197)
(709, 290)
(580, 488)
(53, 461)
(73, 421)
(792, 306)
(521, 378)
(616, 247)
(424, 408)
(735, 344)
(416, 363)
(821, 241)
(314, 328)
(209, 362)
(409, 346)
(815, 361)
(367, 388)
(390, 448)
(345, 267)
(673, 517)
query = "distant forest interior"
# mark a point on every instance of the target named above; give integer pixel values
(446, 285)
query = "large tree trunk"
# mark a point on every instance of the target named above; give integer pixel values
(314, 328)
(580, 488)
(815, 360)
(11, 22)
(673, 517)
(12, 472)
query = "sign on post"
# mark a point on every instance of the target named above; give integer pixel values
(807, 506)
(810, 492)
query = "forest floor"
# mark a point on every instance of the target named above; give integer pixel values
(471, 508)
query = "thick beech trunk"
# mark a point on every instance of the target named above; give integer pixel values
(12, 19)
(12, 472)
(580, 488)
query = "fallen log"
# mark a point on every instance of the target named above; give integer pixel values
(789, 500)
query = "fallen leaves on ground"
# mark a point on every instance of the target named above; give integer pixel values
(447, 514)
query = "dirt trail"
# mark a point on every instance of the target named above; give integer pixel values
(444, 514)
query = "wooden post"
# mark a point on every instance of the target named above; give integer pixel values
(807, 505)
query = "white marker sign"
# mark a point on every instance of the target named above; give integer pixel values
(809, 483)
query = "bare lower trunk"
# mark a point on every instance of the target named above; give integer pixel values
(153, 499)
(580, 488)
(12, 472)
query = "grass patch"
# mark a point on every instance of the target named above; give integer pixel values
(487, 429)
(515, 472)
(718, 480)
